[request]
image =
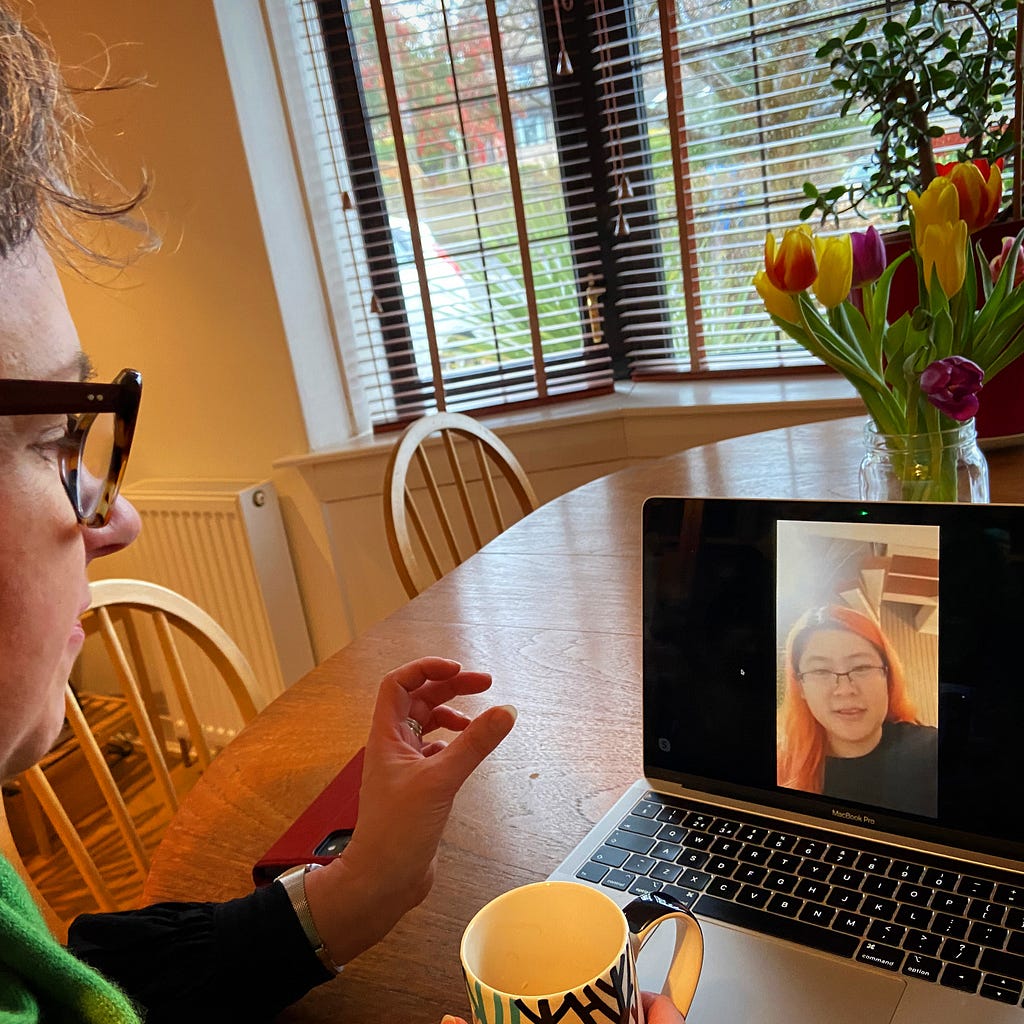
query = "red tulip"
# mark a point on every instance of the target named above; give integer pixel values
(979, 185)
(995, 266)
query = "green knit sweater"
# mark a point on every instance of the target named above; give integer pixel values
(40, 981)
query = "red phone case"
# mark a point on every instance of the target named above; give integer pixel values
(335, 809)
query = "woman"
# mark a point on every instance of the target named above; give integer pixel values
(847, 727)
(246, 959)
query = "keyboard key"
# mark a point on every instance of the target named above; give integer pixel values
(698, 821)
(1014, 919)
(1003, 990)
(630, 841)
(691, 879)
(925, 967)
(844, 899)
(949, 903)
(875, 906)
(841, 855)
(815, 869)
(963, 978)
(809, 848)
(666, 851)
(750, 834)
(873, 863)
(852, 924)
(1010, 894)
(780, 903)
(982, 910)
(952, 927)
(620, 880)
(692, 858)
(808, 890)
(698, 840)
(672, 815)
(645, 886)
(815, 913)
(922, 942)
(610, 856)
(848, 878)
(642, 826)
(886, 932)
(791, 929)
(904, 871)
(914, 917)
(780, 841)
(750, 873)
(722, 866)
(1000, 962)
(778, 881)
(639, 865)
(938, 879)
(753, 896)
(876, 885)
(666, 872)
(979, 888)
(878, 955)
(647, 809)
(784, 862)
(724, 888)
(591, 872)
(755, 855)
(987, 935)
(964, 953)
(727, 847)
(916, 894)
(685, 896)
(671, 834)
(721, 827)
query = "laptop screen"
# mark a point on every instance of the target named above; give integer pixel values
(858, 662)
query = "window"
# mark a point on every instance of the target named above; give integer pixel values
(532, 199)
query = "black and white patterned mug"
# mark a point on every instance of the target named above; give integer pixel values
(565, 952)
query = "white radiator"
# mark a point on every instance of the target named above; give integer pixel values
(222, 544)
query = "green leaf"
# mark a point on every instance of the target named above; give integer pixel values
(835, 192)
(810, 190)
(824, 50)
(807, 211)
(857, 30)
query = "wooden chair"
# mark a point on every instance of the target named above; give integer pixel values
(447, 532)
(143, 662)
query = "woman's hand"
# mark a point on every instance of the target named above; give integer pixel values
(657, 1010)
(406, 795)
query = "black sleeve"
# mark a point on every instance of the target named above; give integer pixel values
(242, 960)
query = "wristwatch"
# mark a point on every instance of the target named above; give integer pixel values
(293, 881)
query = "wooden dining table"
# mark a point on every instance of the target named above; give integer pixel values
(551, 608)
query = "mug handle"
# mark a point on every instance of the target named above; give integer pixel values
(643, 915)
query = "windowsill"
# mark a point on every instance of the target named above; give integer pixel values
(830, 394)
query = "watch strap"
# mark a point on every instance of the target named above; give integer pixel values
(293, 881)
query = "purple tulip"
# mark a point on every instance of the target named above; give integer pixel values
(868, 256)
(952, 386)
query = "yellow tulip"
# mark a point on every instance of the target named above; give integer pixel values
(776, 301)
(979, 186)
(938, 204)
(790, 265)
(835, 269)
(944, 249)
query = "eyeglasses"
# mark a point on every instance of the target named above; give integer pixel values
(826, 679)
(100, 426)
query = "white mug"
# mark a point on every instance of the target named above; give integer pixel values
(564, 952)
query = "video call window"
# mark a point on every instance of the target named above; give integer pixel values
(857, 642)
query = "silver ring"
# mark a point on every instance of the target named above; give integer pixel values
(415, 727)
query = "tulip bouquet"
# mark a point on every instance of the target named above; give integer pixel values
(920, 375)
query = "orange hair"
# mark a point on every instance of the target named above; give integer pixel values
(801, 738)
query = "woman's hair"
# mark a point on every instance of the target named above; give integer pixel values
(41, 147)
(801, 753)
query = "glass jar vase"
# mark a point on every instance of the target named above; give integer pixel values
(945, 465)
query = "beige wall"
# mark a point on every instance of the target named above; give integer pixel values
(199, 318)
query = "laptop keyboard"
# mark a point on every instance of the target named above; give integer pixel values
(936, 920)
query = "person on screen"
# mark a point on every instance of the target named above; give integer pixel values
(246, 959)
(847, 727)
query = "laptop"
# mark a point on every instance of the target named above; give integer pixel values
(846, 822)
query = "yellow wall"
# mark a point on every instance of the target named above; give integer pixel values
(199, 318)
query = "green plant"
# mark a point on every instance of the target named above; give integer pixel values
(944, 63)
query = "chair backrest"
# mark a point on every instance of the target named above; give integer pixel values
(145, 660)
(461, 508)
